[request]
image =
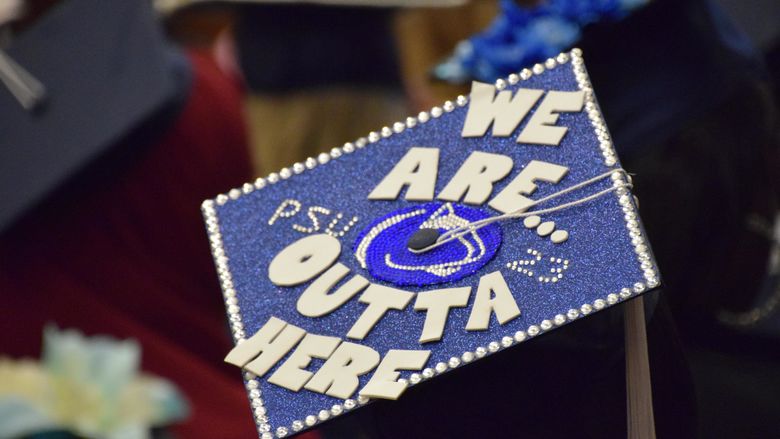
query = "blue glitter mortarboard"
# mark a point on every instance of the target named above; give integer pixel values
(586, 249)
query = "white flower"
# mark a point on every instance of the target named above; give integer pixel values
(89, 386)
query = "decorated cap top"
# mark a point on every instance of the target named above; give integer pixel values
(425, 246)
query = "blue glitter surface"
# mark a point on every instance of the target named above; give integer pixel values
(391, 244)
(602, 259)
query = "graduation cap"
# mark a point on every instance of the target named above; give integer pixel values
(428, 245)
(106, 69)
(172, 6)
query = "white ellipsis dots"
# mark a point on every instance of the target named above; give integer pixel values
(545, 228)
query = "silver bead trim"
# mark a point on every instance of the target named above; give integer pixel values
(234, 313)
(628, 205)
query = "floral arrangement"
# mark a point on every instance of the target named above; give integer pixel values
(521, 36)
(89, 387)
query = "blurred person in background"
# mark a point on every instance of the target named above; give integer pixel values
(317, 76)
(101, 183)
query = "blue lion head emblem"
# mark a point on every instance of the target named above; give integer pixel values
(382, 246)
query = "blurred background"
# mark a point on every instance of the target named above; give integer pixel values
(118, 118)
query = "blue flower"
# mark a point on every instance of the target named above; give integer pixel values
(519, 37)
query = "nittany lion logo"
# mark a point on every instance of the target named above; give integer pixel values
(383, 249)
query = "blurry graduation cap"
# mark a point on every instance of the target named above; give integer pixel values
(428, 245)
(171, 6)
(106, 69)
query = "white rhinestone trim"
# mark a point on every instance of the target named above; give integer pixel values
(627, 203)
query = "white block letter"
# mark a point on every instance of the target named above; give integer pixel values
(503, 111)
(417, 169)
(438, 304)
(475, 177)
(292, 374)
(315, 300)
(503, 304)
(380, 299)
(338, 377)
(383, 383)
(268, 345)
(305, 258)
(541, 127)
(510, 198)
